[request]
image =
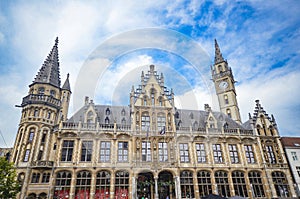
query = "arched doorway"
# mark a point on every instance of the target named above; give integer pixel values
(31, 196)
(145, 185)
(43, 196)
(166, 185)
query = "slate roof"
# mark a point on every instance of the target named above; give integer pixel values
(186, 118)
(291, 142)
(49, 72)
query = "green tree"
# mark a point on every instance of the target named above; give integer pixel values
(9, 185)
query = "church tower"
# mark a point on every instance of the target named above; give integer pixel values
(224, 85)
(42, 109)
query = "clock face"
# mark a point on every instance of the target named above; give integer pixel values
(223, 85)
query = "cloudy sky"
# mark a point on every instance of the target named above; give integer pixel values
(106, 44)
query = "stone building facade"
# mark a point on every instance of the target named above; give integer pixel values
(148, 149)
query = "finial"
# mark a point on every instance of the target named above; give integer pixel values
(56, 41)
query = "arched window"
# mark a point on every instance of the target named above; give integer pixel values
(153, 97)
(35, 178)
(160, 101)
(191, 116)
(221, 178)
(186, 184)
(123, 112)
(226, 99)
(177, 115)
(204, 183)
(41, 91)
(123, 122)
(228, 112)
(107, 112)
(145, 101)
(49, 115)
(122, 184)
(195, 126)
(281, 184)
(256, 184)
(62, 184)
(270, 153)
(102, 185)
(46, 177)
(239, 184)
(106, 120)
(52, 93)
(220, 68)
(83, 185)
(31, 135)
(36, 113)
(90, 117)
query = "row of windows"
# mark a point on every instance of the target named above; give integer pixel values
(163, 152)
(204, 179)
(35, 177)
(41, 91)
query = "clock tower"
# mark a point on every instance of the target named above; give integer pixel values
(224, 85)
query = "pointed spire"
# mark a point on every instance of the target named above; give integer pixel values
(49, 72)
(66, 85)
(218, 55)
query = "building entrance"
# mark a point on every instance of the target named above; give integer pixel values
(145, 186)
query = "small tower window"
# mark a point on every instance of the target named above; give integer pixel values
(152, 98)
(31, 135)
(41, 91)
(49, 115)
(36, 113)
(220, 69)
(52, 93)
(145, 101)
(226, 99)
(228, 112)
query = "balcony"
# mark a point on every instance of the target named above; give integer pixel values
(41, 99)
(42, 164)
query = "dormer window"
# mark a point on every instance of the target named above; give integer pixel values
(191, 115)
(123, 121)
(41, 90)
(145, 101)
(106, 120)
(123, 112)
(160, 101)
(107, 112)
(152, 97)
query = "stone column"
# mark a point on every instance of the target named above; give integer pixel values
(195, 182)
(177, 187)
(93, 185)
(112, 185)
(133, 189)
(156, 187)
(73, 184)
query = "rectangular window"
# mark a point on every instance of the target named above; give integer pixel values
(201, 155)
(146, 151)
(86, 151)
(271, 155)
(249, 154)
(218, 157)
(294, 155)
(161, 123)
(145, 123)
(163, 151)
(26, 156)
(105, 152)
(234, 157)
(184, 152)
(298, 171)
(123, 151)
(67, 150)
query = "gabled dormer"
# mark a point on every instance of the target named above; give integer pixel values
(152, 91)
(262, 122)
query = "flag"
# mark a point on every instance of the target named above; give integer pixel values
(163, 131)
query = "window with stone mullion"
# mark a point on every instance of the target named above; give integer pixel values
(145, 123)
(239, 184)
(86, 151)
(256, 184)
(105, 151)
(163, 151)
(249, 154)
(234, 157)
(204, 183)
(201, 154)
(146, 151)
(187, 185)
(184, 152)
(271, 155)
(123, 152)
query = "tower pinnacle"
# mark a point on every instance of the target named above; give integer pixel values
(49, 72)
(218, 55)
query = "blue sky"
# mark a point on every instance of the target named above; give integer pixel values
(260, 40)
